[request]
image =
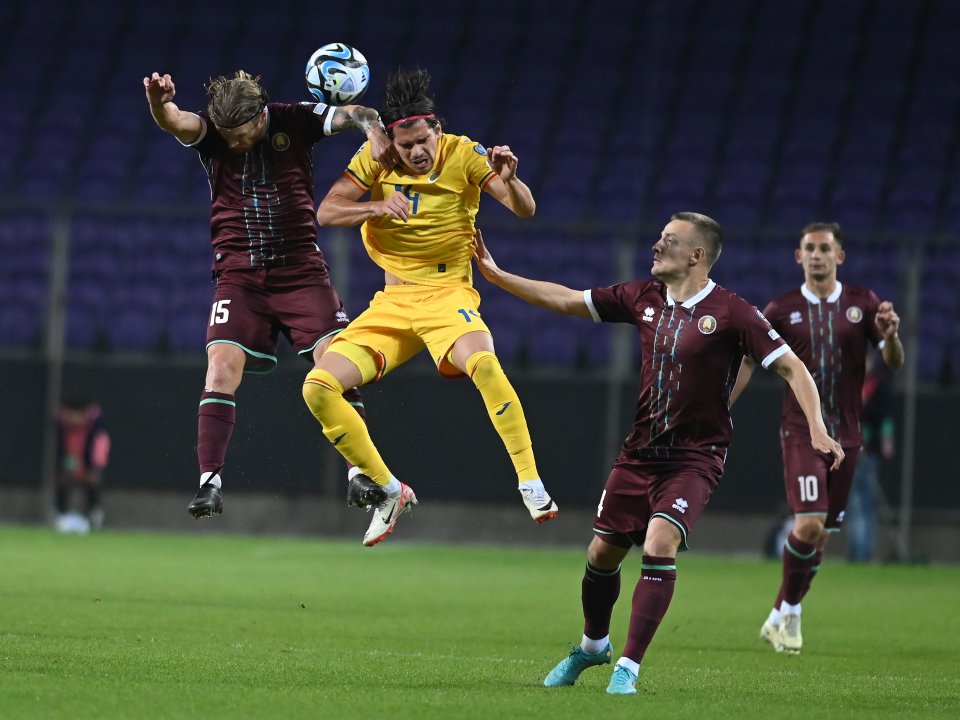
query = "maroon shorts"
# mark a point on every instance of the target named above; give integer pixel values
(639, 490)
(812, 489)
(252, 306)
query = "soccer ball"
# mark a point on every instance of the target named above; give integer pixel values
(337, 74)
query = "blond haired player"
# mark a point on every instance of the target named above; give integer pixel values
(418, 226)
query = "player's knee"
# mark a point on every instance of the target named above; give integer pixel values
(319, 389)
(809, 529)
(663, 538)
(604, 555)
(661, 547)
(368, 363)
(225, 364)
(223, 376)
(483, 366)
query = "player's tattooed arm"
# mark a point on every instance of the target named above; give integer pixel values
(367, 120)
(355, 117)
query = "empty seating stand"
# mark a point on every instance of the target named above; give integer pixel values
(765, 115)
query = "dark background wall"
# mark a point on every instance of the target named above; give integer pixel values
(433, 433)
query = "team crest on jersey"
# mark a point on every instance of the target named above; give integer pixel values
(648, 314)
(280, 142)
(479, 149)
(854, 314)
(707, 324)
(796, 317)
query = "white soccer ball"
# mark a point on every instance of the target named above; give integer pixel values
(337, 74)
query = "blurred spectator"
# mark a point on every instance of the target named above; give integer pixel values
(83, 450)
(877, 426)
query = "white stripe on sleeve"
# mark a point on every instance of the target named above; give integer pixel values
(588, 299)
(779, 352)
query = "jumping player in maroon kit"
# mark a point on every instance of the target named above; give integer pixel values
(693, 335)
(270, 275)
(828, 325)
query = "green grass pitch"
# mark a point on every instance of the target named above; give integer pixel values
(138, 625)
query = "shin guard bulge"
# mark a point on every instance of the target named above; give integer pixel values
(506, 414)
(342, 425)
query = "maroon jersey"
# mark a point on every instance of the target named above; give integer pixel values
(262, 211)
(831, 337)
(691, 354)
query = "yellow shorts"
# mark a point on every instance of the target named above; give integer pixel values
(402, 320)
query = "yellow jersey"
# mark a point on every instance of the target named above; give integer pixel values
(435, 246)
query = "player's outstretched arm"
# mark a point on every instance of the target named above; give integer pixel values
(185, 126)
(547, 295)
(367, 120)
(792, 369)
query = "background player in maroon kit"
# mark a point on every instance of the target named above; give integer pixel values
(828, 325)
(83, 451)
(693, 335)
(271, 277)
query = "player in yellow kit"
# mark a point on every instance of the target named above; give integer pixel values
(418, 226)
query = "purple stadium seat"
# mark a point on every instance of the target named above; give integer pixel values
(133, 329)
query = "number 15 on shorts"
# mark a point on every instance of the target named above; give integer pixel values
(219, 313)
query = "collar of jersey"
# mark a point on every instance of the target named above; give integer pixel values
(690, 302)
(808, 294)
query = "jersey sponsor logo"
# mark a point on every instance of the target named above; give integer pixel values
(280, 142)
(681, 505)
(707, 324)
(648, 314)
(854, 314)
(479, 149)
(342, 317)
(796, 317)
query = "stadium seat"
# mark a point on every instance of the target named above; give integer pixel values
(743, 115)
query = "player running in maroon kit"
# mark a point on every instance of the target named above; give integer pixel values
(693, 335)
(270, 275)
(828, 325)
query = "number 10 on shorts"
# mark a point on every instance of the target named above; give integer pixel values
(219, 313)
(809, 491)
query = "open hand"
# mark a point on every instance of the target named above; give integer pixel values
(488, 268)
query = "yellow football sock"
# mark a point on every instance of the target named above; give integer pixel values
(342, 426)
(506, 414)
